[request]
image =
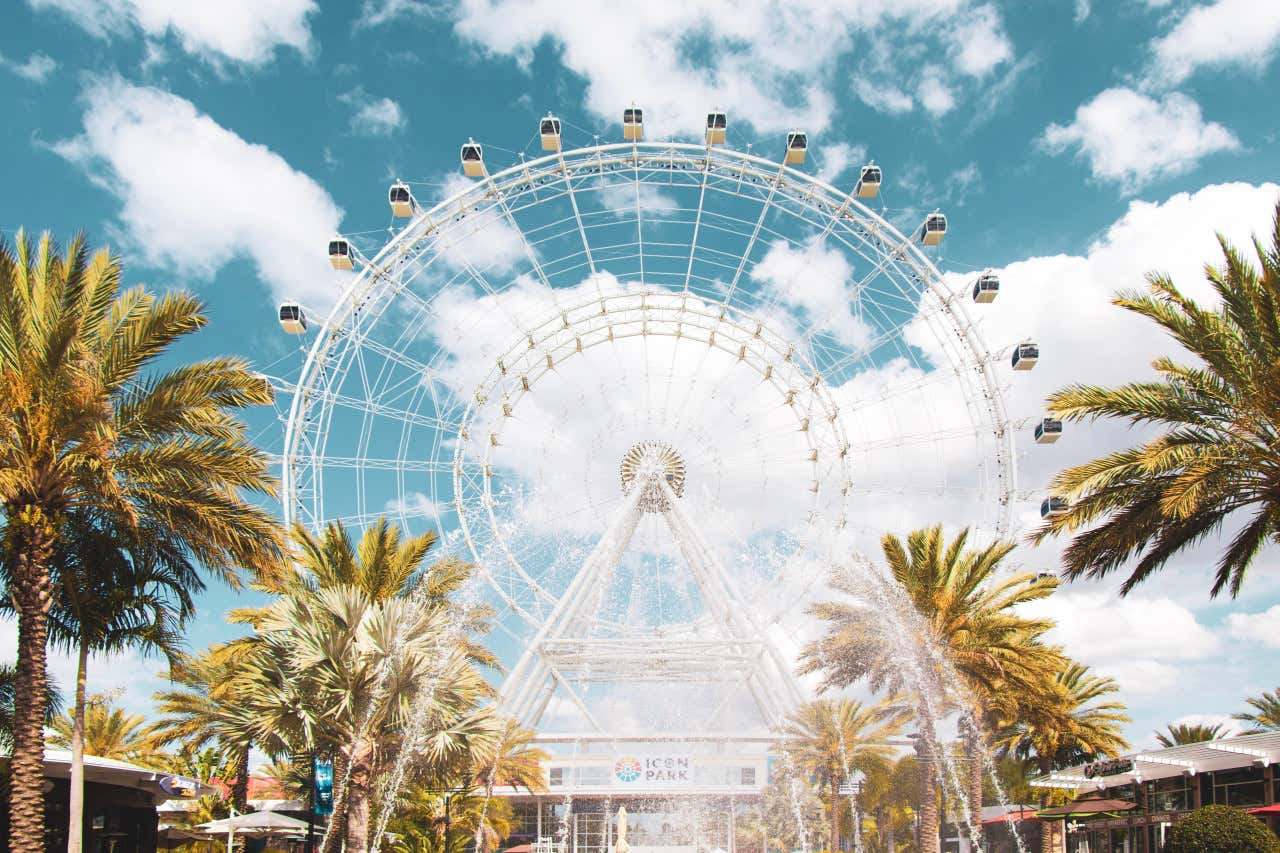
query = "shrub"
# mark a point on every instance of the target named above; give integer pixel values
(1221, 829)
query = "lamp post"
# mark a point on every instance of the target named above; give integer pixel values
(852, 788)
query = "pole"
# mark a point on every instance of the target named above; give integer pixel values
(311, 808)
(447, 824)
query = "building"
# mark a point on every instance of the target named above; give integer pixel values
(1127, 804)
(119, 803)
(683, 794)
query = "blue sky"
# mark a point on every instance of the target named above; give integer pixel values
(1076, 145)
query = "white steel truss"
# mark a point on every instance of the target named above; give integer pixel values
(563, 656)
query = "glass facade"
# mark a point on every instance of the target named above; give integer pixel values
(1170, 795)
(1240, 787)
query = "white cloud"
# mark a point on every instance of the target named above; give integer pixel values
(195, 196)
(934, 93)
(1262, 628)
(771, 65)
(622, 199)
(1095, 626)
(246, 31)
(980, 43)
(836, 159)
(884, 97)
(1222, 33)
(37, 68)
(1082, 11)
(373, 116)
(1130, 138)
(815, 282)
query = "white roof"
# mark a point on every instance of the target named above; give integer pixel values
(57, 765)
(1222, 754)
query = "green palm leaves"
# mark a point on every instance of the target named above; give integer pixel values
(1216, 461)
(84, 429)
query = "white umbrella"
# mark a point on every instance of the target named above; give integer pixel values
(254, 824)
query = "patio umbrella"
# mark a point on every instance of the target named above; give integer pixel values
(169, 837)
(255, 824)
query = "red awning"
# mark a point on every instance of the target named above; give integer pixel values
(1025, 814)
(1271, 809)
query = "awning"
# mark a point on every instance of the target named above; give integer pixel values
(1024, 814)
(1087, 807)
(1271, 809)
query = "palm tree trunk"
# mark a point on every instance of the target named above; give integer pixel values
(75, 825)
(976, 748)
(834, 805)
(240, 788)
(337, 830)
(1046, 827)
(32, 593)
(358, 810)
(929, 841)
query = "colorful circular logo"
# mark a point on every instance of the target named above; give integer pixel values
(627, 769)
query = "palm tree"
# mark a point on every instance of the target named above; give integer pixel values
(83, 428)
(113, 590)
(969, 625)
(1266, 711)
(1217, 457)
(203, 707)
(8, 680)
(110, 732)
(1067, 721)
(1179, 734)
(830, 739)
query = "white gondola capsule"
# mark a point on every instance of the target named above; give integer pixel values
(986, 287)
(402, 200)
(549, 128)
(473, 159)
(933, 229)
(868, 185)
(1048, 431)
(717, 128)
(1052, 506)
(633, 124)
(1025, 356)
(340, 253)
(797, 144)
(292, 319)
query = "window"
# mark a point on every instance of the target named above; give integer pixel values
(558, 776)
(1169, 795)
(1242, 787)
(747, 775)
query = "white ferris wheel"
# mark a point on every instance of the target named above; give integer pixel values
(650, 388)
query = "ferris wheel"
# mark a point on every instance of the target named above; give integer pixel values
(649, 387)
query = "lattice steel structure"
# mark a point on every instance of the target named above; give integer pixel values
(486, 371)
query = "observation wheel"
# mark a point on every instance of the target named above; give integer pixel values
(663, 322)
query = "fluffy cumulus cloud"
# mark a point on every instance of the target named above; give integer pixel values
(195, 196)
(243, 31)
(373, 116)
(1218, 34)
(1131, 138)
(36, 68)
(1260, 628)
(774, 64)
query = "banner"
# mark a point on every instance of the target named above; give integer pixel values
(639, 770)
(324, 786)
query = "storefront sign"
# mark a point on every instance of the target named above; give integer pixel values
(640, 770)
(1113, 767)
(178, 786)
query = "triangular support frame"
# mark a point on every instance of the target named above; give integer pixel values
(562, 655)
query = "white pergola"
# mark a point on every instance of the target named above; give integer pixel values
(1221, 754)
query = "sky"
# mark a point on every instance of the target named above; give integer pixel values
(1075, 146)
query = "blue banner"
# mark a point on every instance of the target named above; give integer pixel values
(324, 786)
